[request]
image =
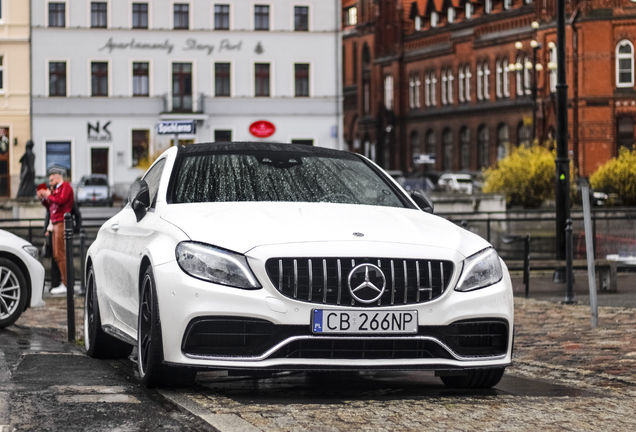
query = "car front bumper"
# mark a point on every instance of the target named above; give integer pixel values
(184, 301)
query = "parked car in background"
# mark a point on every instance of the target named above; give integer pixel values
(21, 277)
(265, 256)
(418, 183)
(457, 182)
(94, 189)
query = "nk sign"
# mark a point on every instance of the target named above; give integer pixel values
(175, 127)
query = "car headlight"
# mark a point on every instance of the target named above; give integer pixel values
(31, 250)
(480, 270)
(216, 265)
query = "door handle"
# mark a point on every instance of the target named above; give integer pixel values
(114, 226)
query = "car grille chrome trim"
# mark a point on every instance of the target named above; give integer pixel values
(287, 341)
(325, 280)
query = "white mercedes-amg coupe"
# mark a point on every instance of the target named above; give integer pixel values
(262, 256)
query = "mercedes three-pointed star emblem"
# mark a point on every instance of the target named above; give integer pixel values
(371, 288)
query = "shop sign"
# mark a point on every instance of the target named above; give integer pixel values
(176, 127)
(262, 129)
(98, 133)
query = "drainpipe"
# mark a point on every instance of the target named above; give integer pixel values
(338, 72)
(30, 72)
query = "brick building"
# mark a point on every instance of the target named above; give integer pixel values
(456, 79)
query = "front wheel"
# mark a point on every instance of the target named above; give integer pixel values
(475, 379)
(13, 292)
(98, 343)
(152, 371)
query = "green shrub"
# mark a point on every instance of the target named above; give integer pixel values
(526, 176)
(618, 176)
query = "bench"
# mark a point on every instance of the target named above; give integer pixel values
(606, 270)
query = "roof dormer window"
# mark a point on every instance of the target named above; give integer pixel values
(469, 10)
(418, 23)
(434, 19)
(451, 15)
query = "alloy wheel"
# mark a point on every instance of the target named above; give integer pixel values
(9, 292)
(145, 326)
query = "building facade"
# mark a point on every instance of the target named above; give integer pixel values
(107, 72)
(14, 92)
(460, 81)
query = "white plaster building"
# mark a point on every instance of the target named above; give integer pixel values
(106, 72)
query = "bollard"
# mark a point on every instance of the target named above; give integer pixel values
(82, 236)
(70, 280)
(569, 294)
(526, 263)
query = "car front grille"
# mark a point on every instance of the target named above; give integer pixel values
(229, 337)
(325, 280)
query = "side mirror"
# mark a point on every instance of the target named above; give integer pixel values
(423, 201)
(139, 198)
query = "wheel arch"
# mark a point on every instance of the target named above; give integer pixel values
(25, 272)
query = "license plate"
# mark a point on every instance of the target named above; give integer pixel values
(364, 321)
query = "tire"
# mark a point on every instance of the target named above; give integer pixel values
(98, 343)
(13, 292)
(152, 371)
(476, 379)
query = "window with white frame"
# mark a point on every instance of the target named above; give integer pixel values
(499, 79)
(449, 82)
(181, 15)
(57, 14)
(519, 68)
(467, 76)
(483, 146)
(468, 10)
(480, 81)
(502, 141)
(434, 19)
(418, 23)
(1, 74)
(553, 69)
(450, 15)
(388, 91)
(427, 88)
(444, 88)
(414, 90)
(99, 14)
(507, 4)
(351, 15)
(221, 17)
(460, 85)
(261, 17)
(433, 88)
(624, 64)
(486, 81)
(527, 75)
(488, 6)
(506, 78)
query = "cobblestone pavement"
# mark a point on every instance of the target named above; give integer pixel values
(565, 376)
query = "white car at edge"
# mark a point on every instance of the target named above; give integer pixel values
(262, 256)
(21, 277)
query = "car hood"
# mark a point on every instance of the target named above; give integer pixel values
(9, 240)
(241, 227)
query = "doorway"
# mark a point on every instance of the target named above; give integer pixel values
(99, 161)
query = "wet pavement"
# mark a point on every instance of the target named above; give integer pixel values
(565, 376)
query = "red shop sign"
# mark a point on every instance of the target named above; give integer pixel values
(262, 129)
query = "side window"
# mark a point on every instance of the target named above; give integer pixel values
(152, 177)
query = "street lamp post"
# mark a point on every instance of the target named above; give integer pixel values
(562, 161)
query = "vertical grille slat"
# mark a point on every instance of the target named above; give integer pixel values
(296, 278)
(339, 282)
(324, 279)
(311, 279)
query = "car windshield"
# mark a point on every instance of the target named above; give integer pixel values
(95, 181)
(280, 176)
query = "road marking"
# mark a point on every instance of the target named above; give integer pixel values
(97, 398)
(222, 422)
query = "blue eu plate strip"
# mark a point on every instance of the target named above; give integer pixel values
(317, 321)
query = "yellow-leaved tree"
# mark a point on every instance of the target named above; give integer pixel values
(526, 176)
(618, 176)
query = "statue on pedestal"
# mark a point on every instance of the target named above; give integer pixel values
(27, 173)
